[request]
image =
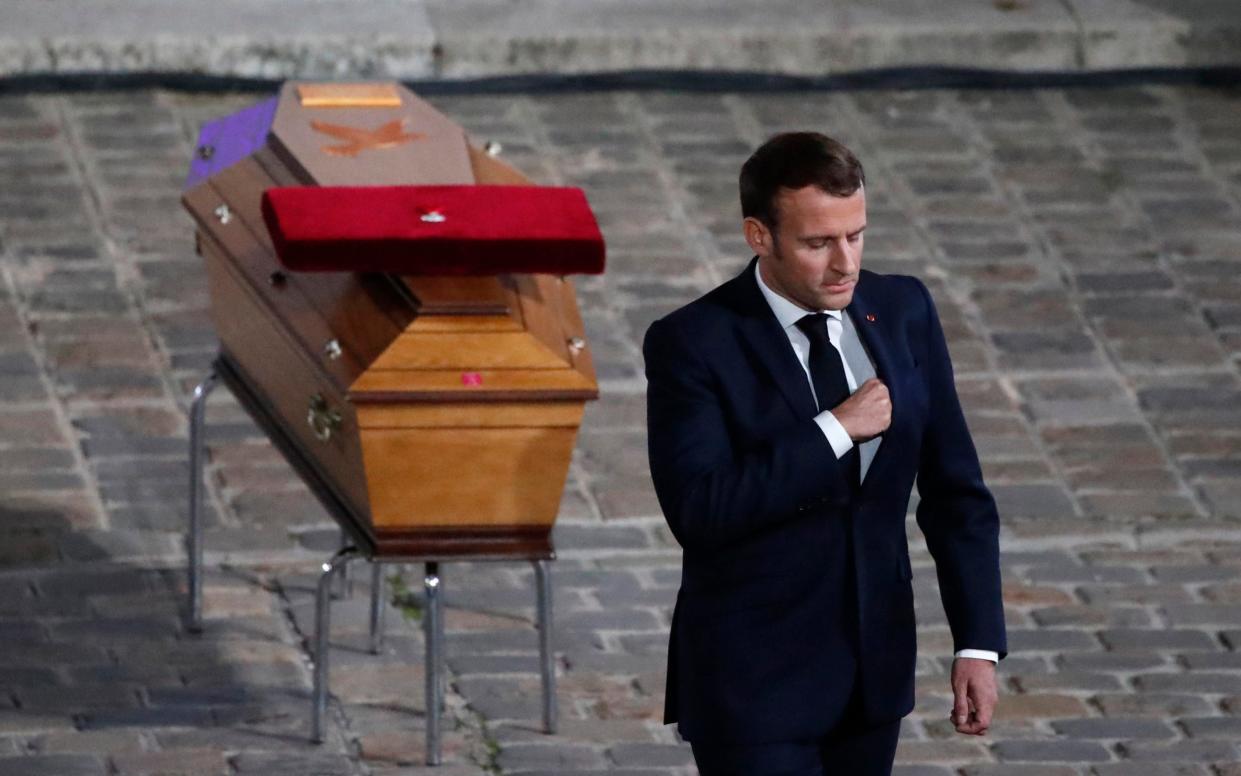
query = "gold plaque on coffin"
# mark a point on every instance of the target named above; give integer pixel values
(434, 416)
(333, 95)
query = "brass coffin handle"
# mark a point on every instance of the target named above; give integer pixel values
(333, 350)
(322, 419)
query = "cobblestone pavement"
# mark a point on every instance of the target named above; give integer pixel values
(1083, 248)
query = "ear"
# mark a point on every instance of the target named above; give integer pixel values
(757, 235)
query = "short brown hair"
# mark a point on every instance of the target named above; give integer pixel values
(795, 160)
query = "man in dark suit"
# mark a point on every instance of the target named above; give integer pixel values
(789, 412)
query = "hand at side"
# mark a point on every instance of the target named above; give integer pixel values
(973, 694)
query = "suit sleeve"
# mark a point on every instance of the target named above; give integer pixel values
(956, 512)
(711, 493)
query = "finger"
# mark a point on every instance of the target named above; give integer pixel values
(984, 707)
(972, 727)
(981, 705)
(960, 705)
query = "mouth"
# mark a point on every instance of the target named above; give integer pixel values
(836, 288)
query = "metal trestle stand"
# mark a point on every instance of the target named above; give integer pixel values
(334, 583)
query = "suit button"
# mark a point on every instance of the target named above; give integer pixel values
(801, 507)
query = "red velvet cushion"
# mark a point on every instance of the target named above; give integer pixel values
(434, 230)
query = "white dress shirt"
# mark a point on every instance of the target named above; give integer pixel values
(788, 314)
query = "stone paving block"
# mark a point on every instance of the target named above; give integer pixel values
(940, 751)
(1204, 614)
(1174, 597)
(445, 769)
(1223, 661)
(1046, 349)
(1151, 769)
(1123, 639)
(585, 772)
(1113, 728)
(1019, 770)
(183, 716)
(1139, 504)
(600, 731)
(1206, 683)
(286, 764)
(392, 686)
(611, 619)
(615, 663)
(255, 673)
(1099, 615)
(1152, 704)
(587, 536)
(650, 755)
(1063, 750)
(192, 762)
(1120, 662)
(400, 747)
(1068, 681)
(1021, 706)
(1057, 640)
(1180, 751)
(521, 757)
(899, 769)
(1042, 500)
(502, 698)
(1228, 728)
(54, 765)
(83, 697)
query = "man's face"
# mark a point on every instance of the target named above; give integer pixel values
(814, 256)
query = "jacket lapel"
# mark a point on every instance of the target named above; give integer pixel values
(872, 334)
(770, 345)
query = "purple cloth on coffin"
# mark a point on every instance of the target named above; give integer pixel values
(227, 140)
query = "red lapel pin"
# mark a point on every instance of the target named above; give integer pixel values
(870, 317)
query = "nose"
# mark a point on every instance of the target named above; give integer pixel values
(843, 258)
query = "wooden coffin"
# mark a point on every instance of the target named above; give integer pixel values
(433, 416)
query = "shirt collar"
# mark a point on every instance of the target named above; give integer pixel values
(787, 313)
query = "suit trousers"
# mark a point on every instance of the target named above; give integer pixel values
(851, 748)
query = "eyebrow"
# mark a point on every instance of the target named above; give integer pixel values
(813, 237)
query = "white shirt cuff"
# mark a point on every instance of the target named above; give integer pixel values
(836, 435)
(984, 654)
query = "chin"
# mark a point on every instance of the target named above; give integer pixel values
(837, 301)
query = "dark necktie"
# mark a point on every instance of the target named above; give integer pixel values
(827, 372)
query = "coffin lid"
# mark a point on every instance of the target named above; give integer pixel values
(497, 338)
(333, 135)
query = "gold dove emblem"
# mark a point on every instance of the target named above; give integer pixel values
(358, 140)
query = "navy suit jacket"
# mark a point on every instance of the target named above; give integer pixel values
(753, 492)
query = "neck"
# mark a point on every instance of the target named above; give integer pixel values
(775, 287)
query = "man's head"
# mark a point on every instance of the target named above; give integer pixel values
(804, 205)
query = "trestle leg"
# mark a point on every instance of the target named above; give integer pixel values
(379, 607)
(434, 634)
(547, 657)
(194, 539)
(323, 626)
